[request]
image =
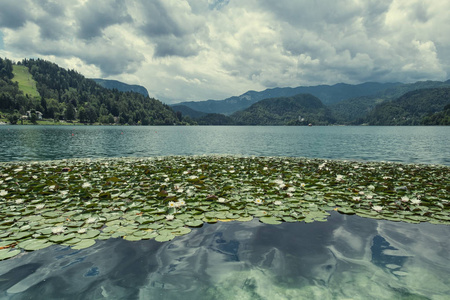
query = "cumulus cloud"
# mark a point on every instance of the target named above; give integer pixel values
(199, 49)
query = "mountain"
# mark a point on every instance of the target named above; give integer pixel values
(120, 86)
(65, 95)
(353, 110)
(187, 111)
(439, 118)
(326, 93)
(300, 109)
(411, 108)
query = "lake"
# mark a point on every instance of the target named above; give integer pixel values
(346, 257)
(429, 145)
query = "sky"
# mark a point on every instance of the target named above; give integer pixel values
(190, 50)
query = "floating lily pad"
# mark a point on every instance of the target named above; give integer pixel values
(7, 253)
(83, 244)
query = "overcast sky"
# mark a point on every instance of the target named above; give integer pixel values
(183, 50)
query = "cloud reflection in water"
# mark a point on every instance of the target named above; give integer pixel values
(345, 257)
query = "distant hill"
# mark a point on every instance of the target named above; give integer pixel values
(65, 95)
(187, 111)
(411, 108)
(352, 111)
(326, 93)
(300, 109)
(120, 86)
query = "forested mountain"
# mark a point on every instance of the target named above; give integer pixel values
(68, 95)
(300, 109)
(411, 108)
(121, 86)
(439, 118)
(326, 93)
(187, 111)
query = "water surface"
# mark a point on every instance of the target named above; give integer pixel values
(414, 144)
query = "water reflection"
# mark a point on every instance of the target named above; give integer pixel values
(347, 257)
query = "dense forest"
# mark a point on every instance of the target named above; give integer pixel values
(300, 109)
(54, 93)
(68, 95)
(413, 108)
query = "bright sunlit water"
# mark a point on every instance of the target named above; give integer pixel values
(347, 257)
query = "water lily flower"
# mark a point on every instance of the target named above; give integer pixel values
(377, 208)
(170, 217)
(361, 193)
(82, 230)
(302, 185)
(258, 201)
(369, 197)
(86, 185)
(405, 199)
(277, 203)
(3, 193)
(185, 172)
(265, 168)
(180, 203)
(172, 204)
(58, 230)
(356, 198)
(371, 187)
(339, 177)
(221, 200)
(19, 201)
(91, 220)
(291, 189)
(416, 201)
(40, 206)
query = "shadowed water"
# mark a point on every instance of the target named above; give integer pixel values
(347, 257)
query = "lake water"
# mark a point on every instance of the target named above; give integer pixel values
(400, 144)
(347, 257)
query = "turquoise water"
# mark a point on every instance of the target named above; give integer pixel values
(400, 144)
(347, 257)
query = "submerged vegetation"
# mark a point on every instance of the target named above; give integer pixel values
(75, 202)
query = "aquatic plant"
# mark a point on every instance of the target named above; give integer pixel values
(75, 202)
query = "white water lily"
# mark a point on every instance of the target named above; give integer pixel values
(3, 193)
(40, 206)
(278, 203)
(82, 230)
(377, 208)
(180, 203)
(371, 187)
(19, 201)
(91, 220)
(221, 200)
(405, 199)
(291, 189)
(356, 198)
(339, 177)
(416, 201)
(170, 217)
(265, 168)
(172, 204)
(258, 201)
(369, 197)
(58, 230)
(302, 185)
(86, 185)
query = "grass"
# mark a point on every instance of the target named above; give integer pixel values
(25, 80)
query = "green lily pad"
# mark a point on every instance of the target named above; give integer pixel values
(86, 243)
(7, 253)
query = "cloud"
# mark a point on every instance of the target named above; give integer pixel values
(94, 16)
(212, 49)
(13, 14)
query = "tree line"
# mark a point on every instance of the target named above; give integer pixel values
(68, 95)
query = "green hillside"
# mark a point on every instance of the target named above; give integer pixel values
(25, 80)
(44, 89)
(300, 109)
(411, 108)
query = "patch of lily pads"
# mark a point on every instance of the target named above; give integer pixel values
(78, 201)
